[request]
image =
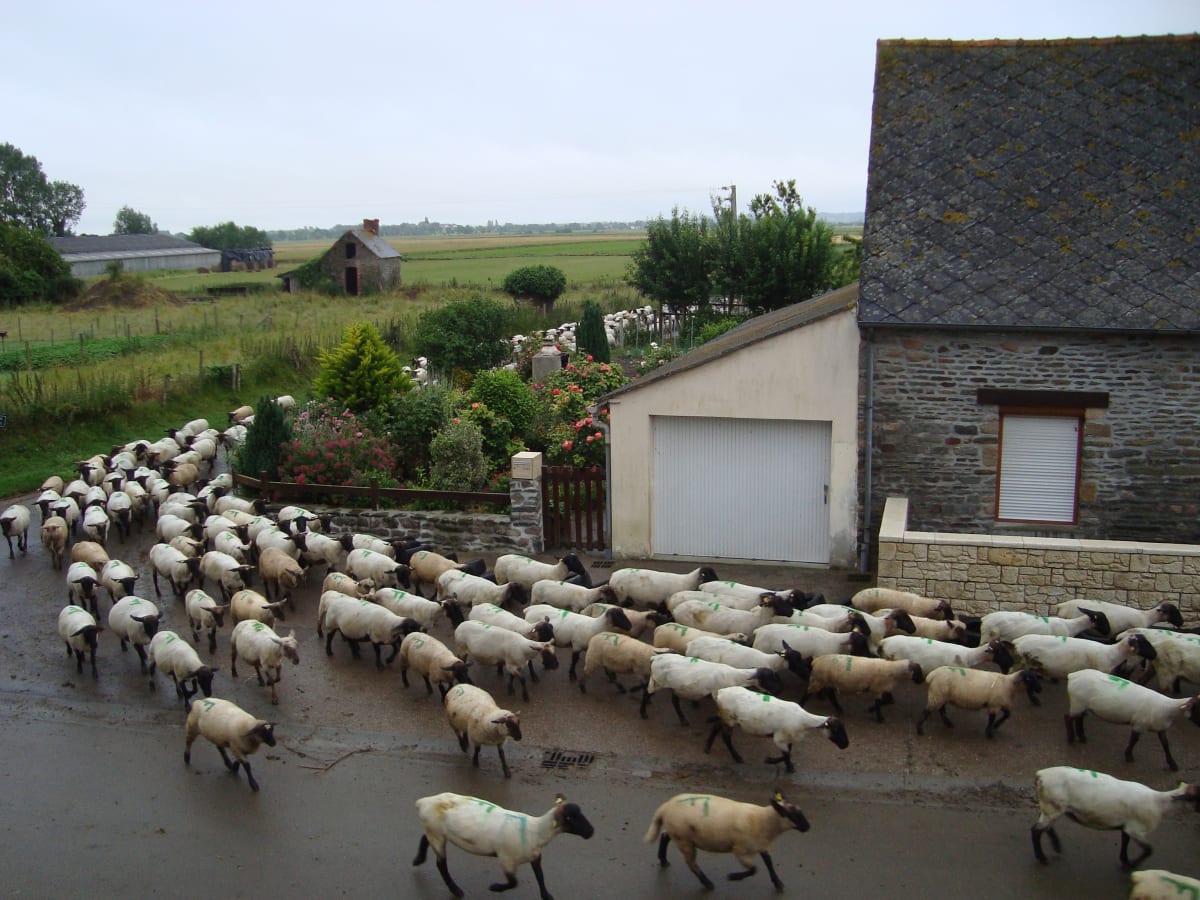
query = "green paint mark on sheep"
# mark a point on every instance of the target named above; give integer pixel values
(522, 825)
(613, 639)
(1121, 683)
(565, 613)
(487, 807)
(258, 626)
(1045, 619)
(849, 662)
(714, 606)
(1091, 772)
(1180, 887)
(170, 638)
(74, 609)
(959, 669)
(693, 799)
(766, 698)
(207, 704)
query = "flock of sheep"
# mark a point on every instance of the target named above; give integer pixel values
(689, 635)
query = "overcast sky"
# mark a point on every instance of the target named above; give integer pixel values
(281, 115)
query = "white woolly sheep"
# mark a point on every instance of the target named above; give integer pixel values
(1122, 702)
(567, 595)
(119, 509)
(646, 588)
(733, 653)
(204, 612)
(537, 630)
(490, 645)
(1178, 660)
(574, 630)
(931, 654)
(1010, 624)
(842, 673)
(248, 605)
(618, 654)
(382, 570)
(343, 583)
(242, 412)
(528, 572)
(296, 518)
(78, 629)
(475, 717)
(425, 567)
(745, 596)
(948, 630)
(727, 600)
(783, 721)
(176, 566)
(468, 590)
(1058, 657)
(1159, 884)
(809, 641)
(229, 574)
(279, 572)
(82, 582)
(277, 538)
(642, 622)
(873, 599)
(187, 546)
(95, 524)
(258, 644)
(486, 829)
(67, 509)
(402, 603)
(1121, 617)
(694, 679)
(179, 659)
(91, 553)
(118, 578)
(14, 523)
(714, 616)
(357, 541)
(719, 825)
(676, 637)
(317, 549)
(226, 724)
(976, 689)
(1100, 801)
(433, 661)
(223, 502)
(135, 621)
(227, 541)
(55, 534)
(356, 620)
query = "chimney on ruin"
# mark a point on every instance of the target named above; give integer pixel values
(371, 226)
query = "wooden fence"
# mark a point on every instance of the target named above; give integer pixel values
(395, 497)
(573, 508)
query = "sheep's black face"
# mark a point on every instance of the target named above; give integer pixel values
(836, 730)
(708, 573)
(1171, 611)
(266, 731)
(572, 821)
(1143, 647)
(404, 576)
(918, 676)
(1002, 655)
(543, 631)
(618, 619)
(204, 678)
(549, 659)
(791, 812)
(902, 621)
(768, 680)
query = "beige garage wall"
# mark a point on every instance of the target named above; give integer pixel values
(809, 373)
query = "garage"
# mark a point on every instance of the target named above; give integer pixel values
(741, 488)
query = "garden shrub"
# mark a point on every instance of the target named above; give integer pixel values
(466, 334)
(506, 394)
(265, 439)
(590, 337)
(458, 463)
(410, 422)
(361, 372)
(331, 445)
(562, 425)
(541, 283)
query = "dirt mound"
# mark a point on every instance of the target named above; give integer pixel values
(124, 292)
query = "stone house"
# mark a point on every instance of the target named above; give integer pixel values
(1030, 293)
(360, 261)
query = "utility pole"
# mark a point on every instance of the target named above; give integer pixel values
(732, 188)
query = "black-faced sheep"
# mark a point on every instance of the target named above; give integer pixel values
(477, 719)
(976, 689)
(226, 724)
(783, 721)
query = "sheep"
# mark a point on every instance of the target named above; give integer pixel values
(44, 499)
(360, 620)
(493, 646)
(343, 583)
(67, 509)
(1159, 884)
(91, 553)
(948, 630)
(189, 547)
(382, 570)
(694, 679)
(215, 525)
(1058, 657)
(486, 829)
(723, 650)
(874, 599)
(574, 630)
(566, 595)
(642, 622)
(120, 510)
(645, 588)
(118, 578)
(810, 642)
(537, 630)
(1178, 660)
(433, 661)
(475, 717)
(179, 659)
(55, 534)
(676, 637)
(368, 542)
(296, 518)
(134, 621)
(931, 654)
(746, 596)
(281, 572)
(95, 524)
(177, 567)
(230, 543)
(527, 572)
(1010, 624)
(169, 525)
(471, 590)
(619, 654)
(720, 825)
(425, 567)
(14, 523)
(1121, 617)
(246, 605)
(714, 616)
(260, 646)
(227, 725)
(229, 574)
(858, 675)
(78, 629)
(274, 537)
(256, 507)
(318, 549)
(1122, 702)
(182, 474)
(727, 600)
(204, 612)
(236, 416)
(82, 582)
(402, 603)
(1100, 801)
(976, 689)
(53, 483)
(783, 721)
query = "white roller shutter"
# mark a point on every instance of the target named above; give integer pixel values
(1039, 468)
(741, 488)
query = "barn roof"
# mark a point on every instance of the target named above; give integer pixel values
(1039, 184)
(119, 246)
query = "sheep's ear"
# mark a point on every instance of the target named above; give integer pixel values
(778, 797)
(559, 799)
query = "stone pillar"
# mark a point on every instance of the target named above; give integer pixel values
(525, 498)
(547, 360)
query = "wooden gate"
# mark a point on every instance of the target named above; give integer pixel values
(573, 508)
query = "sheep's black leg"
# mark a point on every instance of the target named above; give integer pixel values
(250, 776)
(727, 737)
(395, 652)
(444, 869)
(1171, 764)
(831, 695)
(689, 855)
(574, 660)
(945, 718)
(1072, 726)
(785, 757)
(1133, 739)
(463, 743)
(511, 882)
(663, 842)
(354, 649)
(921, 722)
(1035, 835)
(532, 674)
(745, 873)
(378, 655)
(994, 722)
(766, 858)
(422, 851)
(712, 736)
(230, 764)
(95, 674)
(1142, 857)
(536, 865)
(329, 644)
(212, 641)
(645, 703)
(503, 761)
(675, 703)
(475, 757)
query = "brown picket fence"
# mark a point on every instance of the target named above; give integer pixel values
(573, 508)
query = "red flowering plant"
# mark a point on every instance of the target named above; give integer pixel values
(331, 445)
(563, 429)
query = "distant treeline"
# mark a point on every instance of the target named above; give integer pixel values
(422, 229)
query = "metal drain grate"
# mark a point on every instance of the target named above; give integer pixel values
(559, 759)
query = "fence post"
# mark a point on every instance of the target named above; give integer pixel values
(525, 499)
(374, 493)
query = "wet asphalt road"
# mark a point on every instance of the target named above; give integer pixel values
(96, 797)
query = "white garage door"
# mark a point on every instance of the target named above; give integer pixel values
(741, 488)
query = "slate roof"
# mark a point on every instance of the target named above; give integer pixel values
(375, 244)
(123, 244)
(759, 328)
(1035, 184)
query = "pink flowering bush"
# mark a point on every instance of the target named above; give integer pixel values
(562, 427)
(331, 445)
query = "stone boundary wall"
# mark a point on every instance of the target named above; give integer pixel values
(983, 573)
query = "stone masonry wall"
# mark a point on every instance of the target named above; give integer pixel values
(982, 573)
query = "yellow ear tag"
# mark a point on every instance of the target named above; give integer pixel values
(778, 797)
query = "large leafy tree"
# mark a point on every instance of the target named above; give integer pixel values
(130, 221)
(229, 236)
(465, 334)
(28, 199)
(674, 266)
(541, 284)
(30, 269)
(362, 371)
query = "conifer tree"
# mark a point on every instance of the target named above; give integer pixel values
(362, 372)
(590, 337)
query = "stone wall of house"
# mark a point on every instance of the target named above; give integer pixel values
(374, 274)
(981, 573)
(934, 443)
